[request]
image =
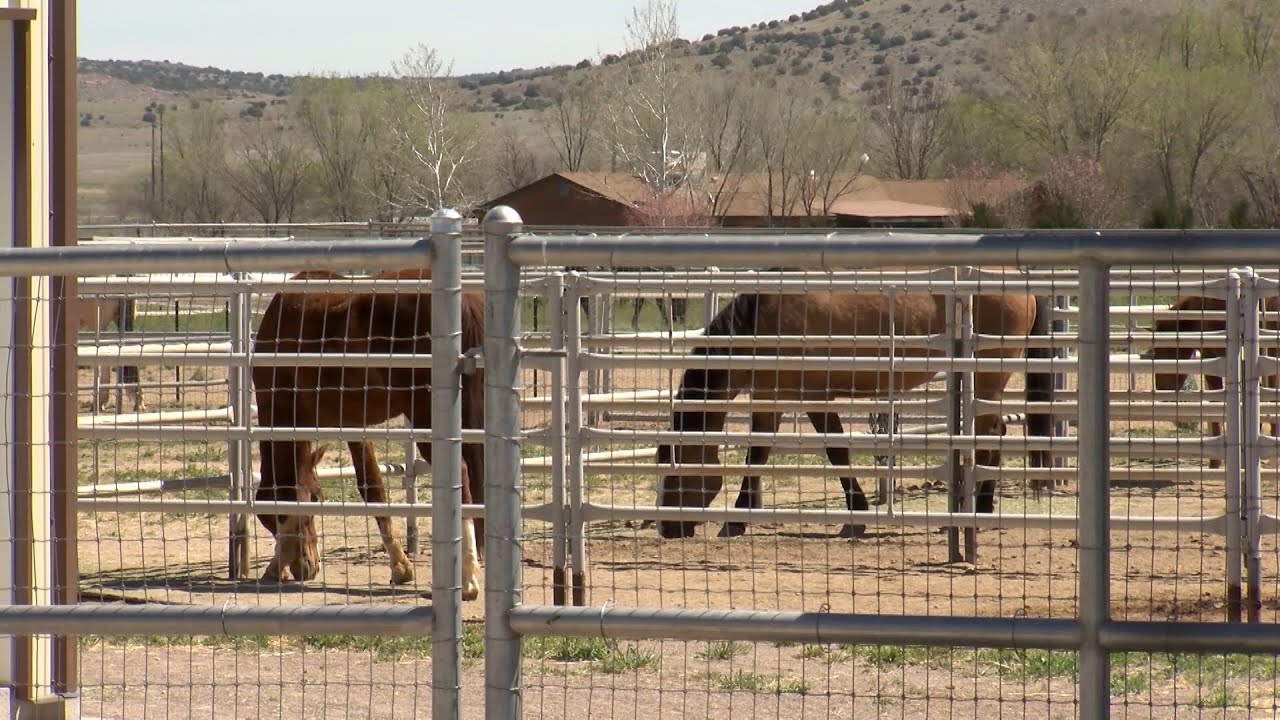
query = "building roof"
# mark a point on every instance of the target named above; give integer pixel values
(619, 187)
(745, 194)
(883, 209)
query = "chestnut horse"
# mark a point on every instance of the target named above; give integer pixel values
(826, 313)
(97, 315)
(1190, 304)
(355, 397)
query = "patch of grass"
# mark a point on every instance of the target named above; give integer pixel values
(383, 647)
(627, 659)
(813, 651)
(723, 650)
(233, 642)
(569, 649)
(472, 641)
(757, 683)
(1202, 670)
(1030, 664)
(1220, 698)
(1125, 682)
(884, 656)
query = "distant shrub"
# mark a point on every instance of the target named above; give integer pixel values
(721, 61)
(946, 7)
(828, 56)
(882, 71)
(864, 14)
(793, 18)
(897, 41)
(762, 60)
(877, 59)
(919, 35)
(1031, 17)
(913, 58)
(904, 8)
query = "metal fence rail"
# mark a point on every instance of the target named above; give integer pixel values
(1092, 633)
(576, 457)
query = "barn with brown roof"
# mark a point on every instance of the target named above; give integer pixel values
(740, 200)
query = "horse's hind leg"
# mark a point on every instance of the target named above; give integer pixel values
(749, 493)
(369, 482)
(855, 499)
(470, 553)
(1214, 382)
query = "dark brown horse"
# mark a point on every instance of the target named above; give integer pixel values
(837, 314)
(97, 315)
(355, 397)
(1191, 304)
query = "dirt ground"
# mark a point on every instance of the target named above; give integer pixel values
(183, 559)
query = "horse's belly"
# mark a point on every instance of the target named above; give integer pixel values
(821, 384)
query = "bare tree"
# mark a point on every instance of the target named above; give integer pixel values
(435, 131)
(515, 163)
(649, 114)
(572, 123)
(728, 116)
(197, 190)
(778, 138)
(913, 126)
(1259, 169)
(270, 165)
(1069, 88)
(831, 156)
(389, 180)
(326, 110)
(1257, 21)
(1198, 102)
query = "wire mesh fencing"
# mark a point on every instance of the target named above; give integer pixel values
(846, 492)
(228, 566)
(745, 449)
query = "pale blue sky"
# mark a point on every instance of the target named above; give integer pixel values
(299, 36)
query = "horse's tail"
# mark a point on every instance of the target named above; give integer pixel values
(1040, 384)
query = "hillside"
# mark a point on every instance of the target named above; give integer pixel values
(845, 47)
(841, 44)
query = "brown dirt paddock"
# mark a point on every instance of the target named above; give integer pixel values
(182, 559)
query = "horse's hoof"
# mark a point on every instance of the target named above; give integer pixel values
(470, 592)
(852, 532)
(671, 530)
(401, 573)
(732, 529)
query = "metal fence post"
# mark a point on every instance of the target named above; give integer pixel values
(446, 462)
(1232, 479)
(1251, 422)
(239, 452)
(1094, 535)
(502, 462)
(574, 475)
(556, 390)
